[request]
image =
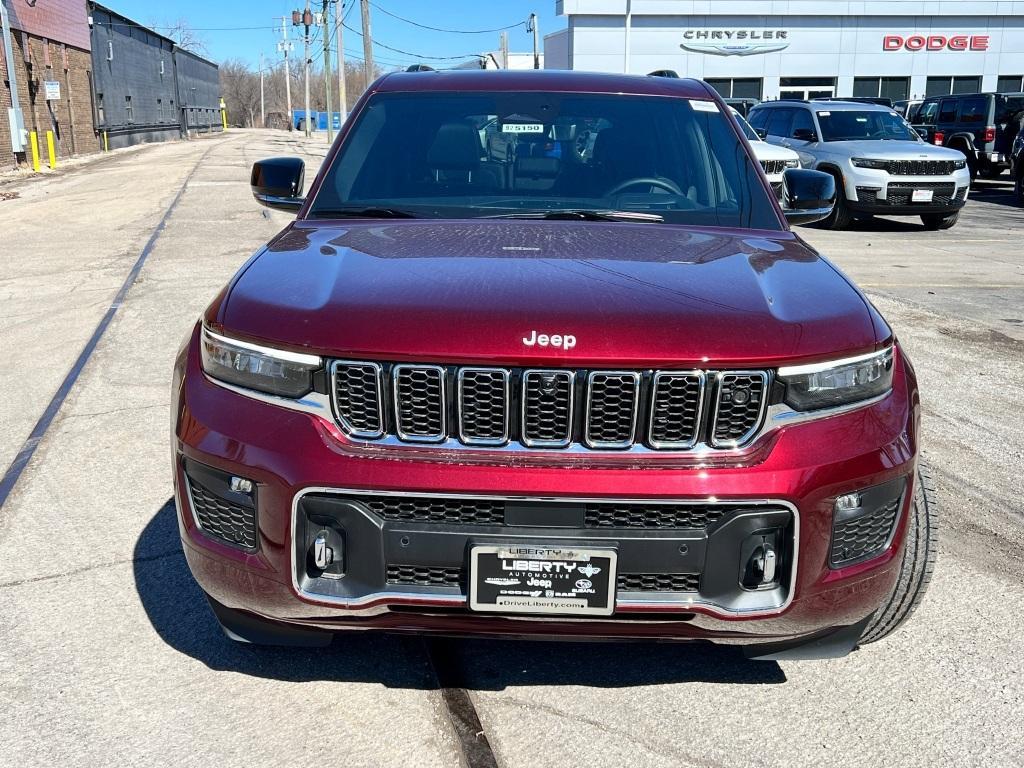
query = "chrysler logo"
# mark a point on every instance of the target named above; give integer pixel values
(734, 42)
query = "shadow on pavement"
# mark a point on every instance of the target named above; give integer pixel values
(179, 613)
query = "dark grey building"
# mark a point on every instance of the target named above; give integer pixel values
(145, 88)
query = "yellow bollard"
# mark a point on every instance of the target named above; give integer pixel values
(34, 141)
(51, 150)
(106, 144)
(223, 114)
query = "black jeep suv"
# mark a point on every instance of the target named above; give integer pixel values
(981, 125)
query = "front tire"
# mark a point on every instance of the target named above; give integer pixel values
(916, 566)
(934, 221)
(1018, 185)
(841, 215)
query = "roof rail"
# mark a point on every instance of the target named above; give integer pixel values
(420, 68)
(664, 73)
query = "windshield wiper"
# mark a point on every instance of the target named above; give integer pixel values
(363, 213)
(581, 215)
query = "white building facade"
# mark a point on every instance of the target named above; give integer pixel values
(769, 49)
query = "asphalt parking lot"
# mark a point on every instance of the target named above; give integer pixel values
(109, 655)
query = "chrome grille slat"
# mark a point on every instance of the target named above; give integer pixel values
(735, 420)
(483, 400)
(676, 409)
(357, 396)
(613, 398)
(419, 393)
(547, 408)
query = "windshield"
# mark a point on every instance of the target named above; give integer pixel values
(449, 155)
(749, 132)
(854, 125)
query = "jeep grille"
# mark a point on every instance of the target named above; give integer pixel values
(548, 409)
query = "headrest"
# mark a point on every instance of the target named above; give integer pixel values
(456, 147)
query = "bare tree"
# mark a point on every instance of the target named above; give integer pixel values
(240, 89)
(182, 33)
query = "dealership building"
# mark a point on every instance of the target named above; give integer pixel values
(770, 49)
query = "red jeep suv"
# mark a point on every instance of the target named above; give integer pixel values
(540, 356)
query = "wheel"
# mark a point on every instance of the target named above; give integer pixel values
(250, 629)
(1018, 185)
(841, 215)
(935, 221)
(916, 566)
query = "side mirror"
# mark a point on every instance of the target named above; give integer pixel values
(277, 183)
(805, 134)
(762, 133)
(807, 196)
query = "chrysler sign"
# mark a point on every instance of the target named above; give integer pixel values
(734, 42)
(935, 43)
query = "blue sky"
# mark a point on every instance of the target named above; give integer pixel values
(211, 18)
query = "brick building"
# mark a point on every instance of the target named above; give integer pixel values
(50, 43)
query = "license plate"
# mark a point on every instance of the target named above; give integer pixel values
(921, 196)
(525, 578)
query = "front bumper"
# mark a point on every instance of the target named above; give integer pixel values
(880, 193)
(293, 456)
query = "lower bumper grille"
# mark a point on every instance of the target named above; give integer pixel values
(591, 514)
(435, 576)
(221, 518)
(657, 582)
(864, 536)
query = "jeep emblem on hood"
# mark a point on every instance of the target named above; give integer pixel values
(565, 341)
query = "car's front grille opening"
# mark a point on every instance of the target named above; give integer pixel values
(593, 514)
(657, 582)
(901, 193)
(741, 400)
(221, 518)
(436, 510)
(425, 576)
(496, 408)
(773, 167)
(864, 536)
(921, 167)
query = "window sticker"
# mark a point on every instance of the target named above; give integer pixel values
(522, 128)
(824, 114)
(703, 106)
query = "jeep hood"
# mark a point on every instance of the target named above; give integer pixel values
(894, 150)
(463, 291)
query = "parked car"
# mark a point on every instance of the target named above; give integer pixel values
(614, 397)
(908, 108)
(1017, 160)
(981, 125)
(880, 164)
(773, 159)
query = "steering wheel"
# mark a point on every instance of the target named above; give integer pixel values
(652, 181)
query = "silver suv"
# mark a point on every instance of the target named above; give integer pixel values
(881, 164)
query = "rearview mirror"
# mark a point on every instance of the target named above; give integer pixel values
(277, 183)
(807, 196)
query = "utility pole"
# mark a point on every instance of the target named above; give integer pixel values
(629, 28)
(284, 46)
(263, 109)
(325, 20)
(536, 52)
(364, 10)
(503, 48)
(307, 18)
(339, 6)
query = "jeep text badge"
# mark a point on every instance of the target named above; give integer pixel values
(565, 341)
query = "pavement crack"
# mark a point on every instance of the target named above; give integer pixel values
(96, 566)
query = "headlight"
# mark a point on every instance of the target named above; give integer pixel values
(275, 371)
(960, 164)
(864, 162)
(826, 385)
(793, 163)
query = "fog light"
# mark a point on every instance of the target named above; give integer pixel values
(848, 502)
(240, 485)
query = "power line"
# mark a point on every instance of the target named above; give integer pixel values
(409, 53)
(441, 29)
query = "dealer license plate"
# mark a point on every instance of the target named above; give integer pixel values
(525, 578)
(921, 196)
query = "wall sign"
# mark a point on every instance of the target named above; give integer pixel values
(735, 42)
(52, 88)
(935, 43)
